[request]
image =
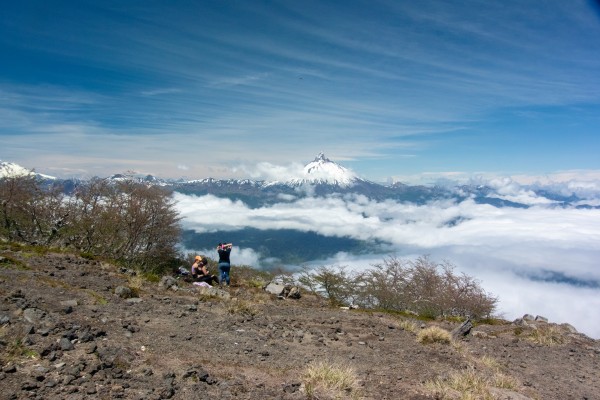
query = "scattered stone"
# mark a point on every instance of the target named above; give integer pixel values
(212, 292)
(505, 394)
(65, 344)
(33, 315)
(480, 334)
(10, 368)
(292, 387)
(528, 317)
(29, 385)
(123, 292)
(167, 282)
(69, 303)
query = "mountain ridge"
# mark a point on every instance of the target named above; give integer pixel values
(322, 177)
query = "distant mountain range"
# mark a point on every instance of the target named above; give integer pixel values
(320, 177)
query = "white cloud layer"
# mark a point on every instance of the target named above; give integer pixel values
(509, 249)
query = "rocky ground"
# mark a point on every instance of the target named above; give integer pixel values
(69, 330)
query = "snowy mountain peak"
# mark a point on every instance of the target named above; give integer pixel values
(12, 170)
(324, 171)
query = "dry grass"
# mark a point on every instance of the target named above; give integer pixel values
(136, 284)
(547, 336)
(237, 306)
(323, 380)
(467, 384)
(504, 381)
(409, 326)
(434, 334)
(490, 362)
(7, 262)
(473, 383)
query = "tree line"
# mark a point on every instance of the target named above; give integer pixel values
(138, 225)
(127, 221)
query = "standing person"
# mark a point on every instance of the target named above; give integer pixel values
(200, 273)
(224, 250)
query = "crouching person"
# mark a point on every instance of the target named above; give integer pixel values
(200, 273)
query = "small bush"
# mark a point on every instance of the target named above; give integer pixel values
(330, 381)
(434, 334)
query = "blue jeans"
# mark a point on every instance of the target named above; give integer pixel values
(224, 270)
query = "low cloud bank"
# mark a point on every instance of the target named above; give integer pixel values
(540, 260)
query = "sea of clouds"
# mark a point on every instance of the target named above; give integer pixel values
(543, 260)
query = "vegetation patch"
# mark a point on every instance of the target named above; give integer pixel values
(16, 350)
(237, 306)
(547, 336)
(7, 262)
(97, 297)
(409, 326)
(421, 287)
(434, 334)
(324, 380)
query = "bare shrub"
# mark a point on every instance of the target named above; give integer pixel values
(324, 380)
(29, 213)
(434, 334)
(127, 221)
(418, 286)
(334, 283)
(424, 287)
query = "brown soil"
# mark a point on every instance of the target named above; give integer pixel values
(65, 334)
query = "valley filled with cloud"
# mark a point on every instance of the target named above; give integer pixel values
(540, 259)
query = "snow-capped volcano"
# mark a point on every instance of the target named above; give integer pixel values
(12, 170)
(324, 171)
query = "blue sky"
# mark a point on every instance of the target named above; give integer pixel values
(391, 89)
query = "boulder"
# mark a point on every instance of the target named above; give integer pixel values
(528, 317)
(539, 318)
(167, 282)
(123, 292)
(274, 288)
(570, 328)
(33, 315)
(283, 291)
(212, 292)
(463, 330)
